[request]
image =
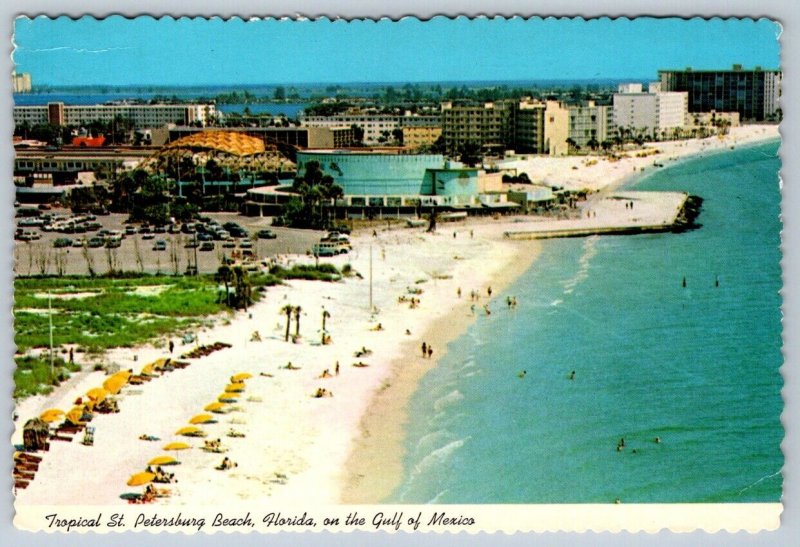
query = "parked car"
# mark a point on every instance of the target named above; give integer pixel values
(191, 244)
(113, 243)
(149, 235)
(207, 246)
(130, 230)
(228, 244)
(246, 245)
(160, 245)
(266, 234)
(204, 237)
(95, 242)
(62, 242)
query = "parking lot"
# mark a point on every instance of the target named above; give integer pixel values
(150, 252)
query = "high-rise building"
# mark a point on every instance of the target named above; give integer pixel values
(21, 82)
(754, 94)
(654, 113)
(487, 125)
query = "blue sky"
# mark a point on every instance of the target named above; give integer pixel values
(118, 51)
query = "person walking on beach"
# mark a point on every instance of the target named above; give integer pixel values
(71, 355)
(458, 292)
(171, 346)
(489, 291)
(337, 368)
(430, 352)
(424, 350)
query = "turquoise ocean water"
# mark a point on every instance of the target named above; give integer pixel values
(696, 366)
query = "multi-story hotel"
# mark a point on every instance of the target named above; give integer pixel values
(488, 125)
(527, 126)
(378, 128)
(141, 115)
(754, 94)
(590, 123)
(652, 113)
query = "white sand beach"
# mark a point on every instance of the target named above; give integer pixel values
(297, 447)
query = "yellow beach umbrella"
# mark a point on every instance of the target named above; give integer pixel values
(188, 430)
(140, 479)
(148, 370)
(51, 415)
(97, 394)
(201, 419)
(176, 446)
(162, 460)
(74, 415)
(235, 388)
(123, 374)
(241, 376)
(159, 363)
(114, 384)
(214, 407)
(227, 397)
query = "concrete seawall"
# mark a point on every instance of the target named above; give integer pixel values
(622, 213)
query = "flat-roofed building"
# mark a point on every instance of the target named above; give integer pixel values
(590, 124)
(21, 82)
(753, 93)
(378, 128)
(298, 137)
(652, 114)
(416, 136)
(140, 115)
(487, 125)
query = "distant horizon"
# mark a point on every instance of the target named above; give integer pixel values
(167, 52)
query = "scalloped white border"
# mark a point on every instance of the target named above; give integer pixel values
(774, 8)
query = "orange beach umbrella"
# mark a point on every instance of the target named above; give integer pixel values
(51, 415)
(97, 394)
(114, 384)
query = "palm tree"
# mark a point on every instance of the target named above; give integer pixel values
(297, 312)
(225, 275)
(242, 284)
(325, 316)
(287, 309)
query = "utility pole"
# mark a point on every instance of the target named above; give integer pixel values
(50, 319)
(370, 278)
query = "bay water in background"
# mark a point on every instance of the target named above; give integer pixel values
(696, 366)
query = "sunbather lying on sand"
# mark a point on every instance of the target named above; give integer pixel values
(290, 366)
(226, 464)
(234, 433)
(322, 392)
(144, 437)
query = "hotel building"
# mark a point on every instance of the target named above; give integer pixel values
(754, 94)
(141, 115)
(654, 112)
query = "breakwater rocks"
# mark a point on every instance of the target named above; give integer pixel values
(687, 216)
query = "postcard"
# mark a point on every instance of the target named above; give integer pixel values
(501, 275)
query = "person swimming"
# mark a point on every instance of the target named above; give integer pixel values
(572, 375)
(523, 374)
